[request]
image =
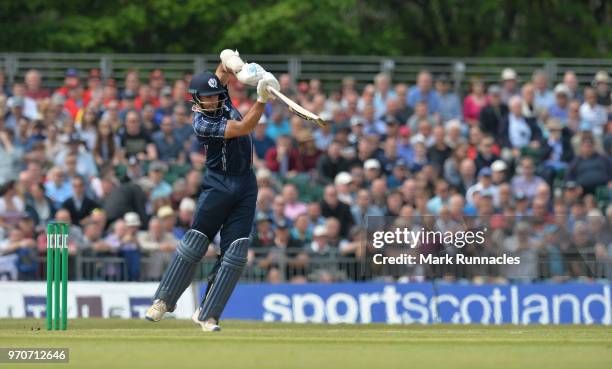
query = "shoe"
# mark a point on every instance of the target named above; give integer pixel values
(209, 325)
(156, 312)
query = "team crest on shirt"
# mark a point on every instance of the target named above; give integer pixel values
(212, 83)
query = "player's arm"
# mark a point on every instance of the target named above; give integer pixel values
(244, 127)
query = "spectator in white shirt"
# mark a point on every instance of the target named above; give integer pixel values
(593, 113)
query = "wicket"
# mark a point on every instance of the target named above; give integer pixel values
(57, 274)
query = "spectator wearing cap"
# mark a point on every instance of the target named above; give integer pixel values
(320, 242)
(557, 151)
(590, 169)
(16, 105)
(593, 113)
(526, 181)
(308, 154)
(135, 140)
(284, 158)
(79, 204)
(543, 96)
(423, 91)
(185, 215)
(342, 183)
(127, 104)
(33, 84)
(86, 164)
(493, 114)
(158, 245)
(439, 152)
(450, 105)
(487, 153)
(499, 169)
(167, 143)
(125, 242)
(263, 236)
(509, 82)
(399, 173)
(474, 102)
(484, 184)
(261, 141)
(161, 188)
(601, 84)
(71, 80)
(559, 108)
(372, 170)
(518, 131)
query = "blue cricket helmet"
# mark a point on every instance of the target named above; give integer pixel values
(207, 84)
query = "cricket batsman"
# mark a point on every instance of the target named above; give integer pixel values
(229, 190)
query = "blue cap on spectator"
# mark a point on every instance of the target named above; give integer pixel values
(129, 95)
(486, 171)
(71, 72)
(282, 224)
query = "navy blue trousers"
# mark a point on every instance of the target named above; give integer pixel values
(227, 203)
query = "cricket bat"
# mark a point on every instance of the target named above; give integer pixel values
(296, 109)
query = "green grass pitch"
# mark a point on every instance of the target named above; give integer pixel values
(113, 343)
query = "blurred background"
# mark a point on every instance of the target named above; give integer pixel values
(439, 109)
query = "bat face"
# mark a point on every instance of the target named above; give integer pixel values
(297, 109)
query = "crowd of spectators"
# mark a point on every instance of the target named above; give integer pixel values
(118, 160)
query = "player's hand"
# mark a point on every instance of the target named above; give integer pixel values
(231, 60)
(268, 80)
(251, 74)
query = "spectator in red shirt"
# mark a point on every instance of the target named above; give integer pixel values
(145, 96)
(308, 152)
(283, 158)
(93, 84)
(75, 101)
(71, 80)
(33, 82)
(474, 102)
